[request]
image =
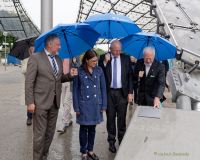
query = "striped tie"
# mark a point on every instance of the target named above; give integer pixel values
(55, 71)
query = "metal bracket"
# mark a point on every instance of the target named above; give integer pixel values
(179, 55)
(193, 67)
(152, 7)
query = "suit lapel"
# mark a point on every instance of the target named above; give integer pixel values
(46, 61)
(109, 69)
(122, 67)
(151, 70)
(143, 68)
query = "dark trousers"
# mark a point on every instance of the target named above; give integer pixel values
(29, 115)
(135, 93)
(145, 100)
(86, 138)
(44, 124)
(117, 108)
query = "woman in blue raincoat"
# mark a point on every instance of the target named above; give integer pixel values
(89, 102)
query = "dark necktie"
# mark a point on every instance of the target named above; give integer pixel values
(55, 71)
(115, 73)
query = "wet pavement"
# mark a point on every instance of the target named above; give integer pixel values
(16, 137)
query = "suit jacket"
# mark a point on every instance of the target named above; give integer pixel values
(153, 84)
(126, 74)
(41, 85)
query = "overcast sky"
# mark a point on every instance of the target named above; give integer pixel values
(65, 11)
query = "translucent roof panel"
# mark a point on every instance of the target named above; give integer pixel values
(15, 20)
(137, 10)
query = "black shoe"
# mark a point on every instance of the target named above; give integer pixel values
(93, 156)
(120, 142)
(112, 147)
(84, 157)
(29, 122)
(44, 158)
(70, 124)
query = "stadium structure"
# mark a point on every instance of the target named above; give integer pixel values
(140, 11)
(15, 20)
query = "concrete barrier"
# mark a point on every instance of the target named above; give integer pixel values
(175, 136)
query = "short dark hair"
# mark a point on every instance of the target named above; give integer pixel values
(50, 38)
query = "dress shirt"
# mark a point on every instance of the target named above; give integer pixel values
(147, 68)
(47, 53)
(119, 81)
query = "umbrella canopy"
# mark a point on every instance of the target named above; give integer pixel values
(20, 48)
(75, 39)
(134, 45)
(112, 25)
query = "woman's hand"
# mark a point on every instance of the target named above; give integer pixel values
(103, 110)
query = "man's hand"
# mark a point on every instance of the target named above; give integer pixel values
(156, 102)
(107, 58)
(31, 108)
(141, 74)
(130, 98)
(73, 72)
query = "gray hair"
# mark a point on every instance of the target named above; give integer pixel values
(116, 41)
(49, 38)
(149, 49)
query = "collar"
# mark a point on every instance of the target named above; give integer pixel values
(47, 53)
(148, 65)
(115, 57)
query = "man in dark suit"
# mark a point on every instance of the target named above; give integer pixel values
(118, 75)
(42, 94)
(150, 74)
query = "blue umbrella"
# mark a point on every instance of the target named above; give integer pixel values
(75, 39)
(134, 45)
(112, 26)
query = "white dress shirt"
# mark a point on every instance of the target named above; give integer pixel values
(47, 53)
(147, 68)
(119, 81)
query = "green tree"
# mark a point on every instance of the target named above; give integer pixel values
(9, 39)
(99, 51)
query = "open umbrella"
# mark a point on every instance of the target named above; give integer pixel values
(20, 48)
(134, 45)
(75, 39)
(112, 25)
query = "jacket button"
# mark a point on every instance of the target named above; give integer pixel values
(87, 86)
(88, 96)
(94, 86)
(95, 95)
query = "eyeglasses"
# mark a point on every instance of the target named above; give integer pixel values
(93, 60)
